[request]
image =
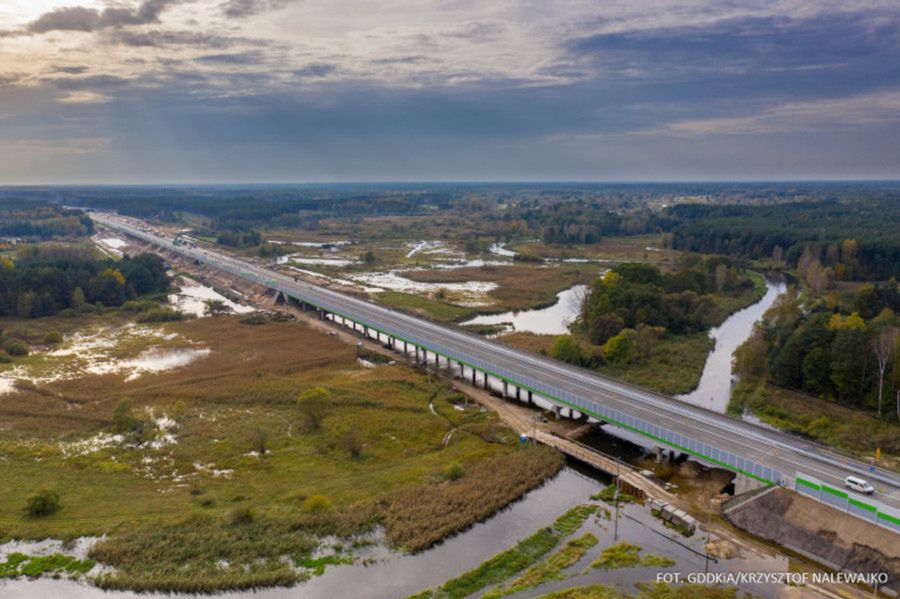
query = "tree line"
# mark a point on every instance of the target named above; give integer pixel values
(38, 220)
(43, 280)
(845, 353)
(855, 240)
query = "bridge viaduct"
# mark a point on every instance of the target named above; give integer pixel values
(756, 454)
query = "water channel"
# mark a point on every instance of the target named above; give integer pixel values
(393, 575)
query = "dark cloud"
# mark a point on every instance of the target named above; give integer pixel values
(478, 31)
(746, 45)
(244, 8)
(412, 59)
(70, 18)
(79, 18)
(319, 69)
(159, 39)
(91, 83)
(251, 57)
(71, 70)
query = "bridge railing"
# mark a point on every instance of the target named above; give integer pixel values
(860, 506)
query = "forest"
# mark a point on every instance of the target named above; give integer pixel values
(857, 240)
(632, 295)
(835, 350)
(45, 279)
(37, 220)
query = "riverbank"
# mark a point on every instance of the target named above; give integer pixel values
(853, 431)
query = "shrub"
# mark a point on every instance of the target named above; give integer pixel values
(315, 405)
(454, 471)
(259, 441)
(124, 418)
(160, 315)
(42, 503)
(15, 347)
(316, 503)
(239, 515)
(53, 338)
(353, 442)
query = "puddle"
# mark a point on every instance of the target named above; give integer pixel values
(330, 245)
(114, 242)
(158, 359)
(192, 298)
(553, 320)
(301, 259)
(499, 249)
(421, 246)
(78, 548)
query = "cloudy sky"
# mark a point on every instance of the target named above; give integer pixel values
(340, 90)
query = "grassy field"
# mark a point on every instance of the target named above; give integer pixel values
(674, 365)
(221, 456)
(422, 306)
(854, 431)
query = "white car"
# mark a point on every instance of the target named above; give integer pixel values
(858, 485)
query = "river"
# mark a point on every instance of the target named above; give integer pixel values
(395, 575)
(714, 389)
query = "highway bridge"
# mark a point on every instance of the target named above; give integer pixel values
(755, 453)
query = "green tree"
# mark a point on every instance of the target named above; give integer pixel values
(604, 326)
(817, 371)
(622, 347)
(566, 349)
(25, 305)
(77, 297)
(315, 405)
(124, 418)
(848, 364)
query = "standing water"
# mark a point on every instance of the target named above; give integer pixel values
(714, 390)
(552, 320)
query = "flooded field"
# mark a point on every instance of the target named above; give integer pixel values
(192, 298)
(102, 351)
(469, 293)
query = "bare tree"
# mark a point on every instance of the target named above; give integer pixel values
(883, 345)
